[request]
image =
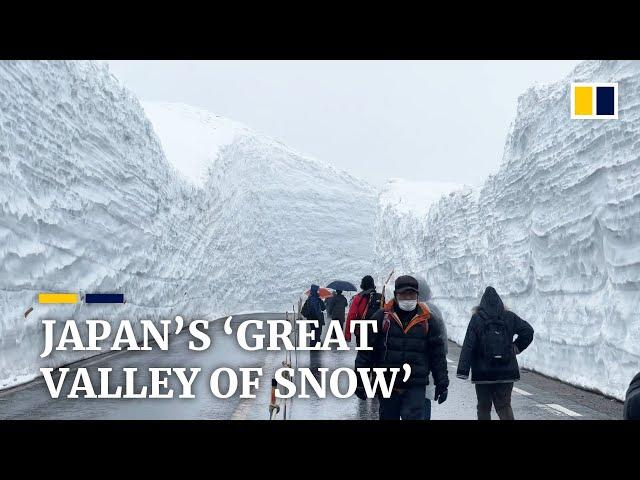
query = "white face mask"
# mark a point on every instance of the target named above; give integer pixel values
(407, 305)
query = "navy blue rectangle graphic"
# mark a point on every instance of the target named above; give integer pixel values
(605, 104)
(104, 298)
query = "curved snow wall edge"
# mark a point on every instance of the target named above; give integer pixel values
(89, 202)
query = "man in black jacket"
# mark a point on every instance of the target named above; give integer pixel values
(405, 335)
(493, 371)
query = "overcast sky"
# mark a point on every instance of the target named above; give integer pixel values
(423, 120)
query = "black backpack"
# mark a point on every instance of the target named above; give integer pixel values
(305, 309)
(373, 305)
(497, 343)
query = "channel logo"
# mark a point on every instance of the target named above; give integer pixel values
(72, 298)
(598, 101)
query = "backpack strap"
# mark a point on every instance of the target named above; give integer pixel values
(386, 322)
(366, 305)
(373, 295)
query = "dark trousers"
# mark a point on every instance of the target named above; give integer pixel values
(427, 409)
(317, 334)
(408, 404)
(341, 320)
(498, 394)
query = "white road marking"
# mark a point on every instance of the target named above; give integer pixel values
(564, 410)
(549, 409)
(520, 391)
(558, 409)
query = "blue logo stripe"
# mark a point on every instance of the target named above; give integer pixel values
(104, 298)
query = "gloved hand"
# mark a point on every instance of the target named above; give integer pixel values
(441, 393)
(360, 393)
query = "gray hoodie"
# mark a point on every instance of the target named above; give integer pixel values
(424, 295)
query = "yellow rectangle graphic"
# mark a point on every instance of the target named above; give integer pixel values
(583, 101)
(57, 298)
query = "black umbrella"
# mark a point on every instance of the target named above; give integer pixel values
(342, 285)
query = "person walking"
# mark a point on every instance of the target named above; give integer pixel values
(329, 305)
(363, 306)
(424, 295)
(337, 309)
(489, 351)
(312, 310)
(406, 335)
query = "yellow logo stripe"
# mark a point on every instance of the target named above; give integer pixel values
(584, 101)
(57, 298)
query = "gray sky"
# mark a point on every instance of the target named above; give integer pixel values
(423, 120)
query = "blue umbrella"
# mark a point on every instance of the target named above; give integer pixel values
(342, 285)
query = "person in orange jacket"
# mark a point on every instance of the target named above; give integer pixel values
(364, 305)
(406, 335)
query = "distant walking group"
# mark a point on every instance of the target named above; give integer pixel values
(411, 330)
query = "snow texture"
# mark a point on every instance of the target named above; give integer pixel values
(209, 218)
(556, 231)
(89, 202)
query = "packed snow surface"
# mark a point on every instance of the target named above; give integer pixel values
(233, 221)
(556, 231)
(191, 138)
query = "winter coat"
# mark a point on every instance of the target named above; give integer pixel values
(329, 304)
(632, 400)
(485, 370)
(337, 309)
(424, 295)
(358, 310)
(410, 338)
(315, 305)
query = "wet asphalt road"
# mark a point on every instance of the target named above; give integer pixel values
(536, 397)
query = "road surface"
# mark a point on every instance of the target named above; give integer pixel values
(535, 397)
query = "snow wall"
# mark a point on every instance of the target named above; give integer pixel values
(89, 202)
(556, 231)
(90, 199)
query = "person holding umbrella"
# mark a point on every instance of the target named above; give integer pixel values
(337, 304)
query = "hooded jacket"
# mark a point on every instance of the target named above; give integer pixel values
(484, 370)
(632, 400)
(315, 305)
(424, 295)
(410, 338)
